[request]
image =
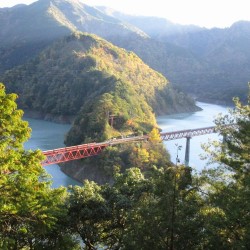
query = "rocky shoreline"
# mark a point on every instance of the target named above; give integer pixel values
(80, 171)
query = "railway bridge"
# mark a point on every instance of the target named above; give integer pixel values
(65, 154)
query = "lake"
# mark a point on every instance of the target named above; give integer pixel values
(199, 119)
(48, 135)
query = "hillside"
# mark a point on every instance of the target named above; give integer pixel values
(218, 62)
(27, 29)
(87, 79)
(225, 58)
(210, 64)
(85, 76)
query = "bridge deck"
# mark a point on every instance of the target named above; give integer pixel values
(59, 155)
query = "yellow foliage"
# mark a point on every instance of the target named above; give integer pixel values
(143, 155)
(154, 136)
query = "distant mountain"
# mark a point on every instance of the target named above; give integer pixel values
(218, 62)
(33, 27)
(156, 27)
(50, 19)
(28, 29)
(211, 64)
(25, 30)
(225, 58)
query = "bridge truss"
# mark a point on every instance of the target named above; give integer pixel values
(72, 153)
(187, 133)
(86, 150)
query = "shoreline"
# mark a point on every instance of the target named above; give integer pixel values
(61, 119)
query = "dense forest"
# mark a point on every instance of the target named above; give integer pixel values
(82, 66)
(86, 77)
(163, 207)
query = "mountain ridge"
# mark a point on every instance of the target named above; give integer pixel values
(86, 76)
(202, 62)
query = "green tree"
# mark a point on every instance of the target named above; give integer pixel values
(228, 186)
(154, 222)
(87, 213)
(144, 210)
(136, 212)
(29, 208)
(125, 198)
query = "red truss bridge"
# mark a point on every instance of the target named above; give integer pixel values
(60, 155)
(65, 154)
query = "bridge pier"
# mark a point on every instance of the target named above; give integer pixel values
(187, 151)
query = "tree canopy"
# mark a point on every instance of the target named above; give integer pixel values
(153, 204)
(29, 208)
(228, 186)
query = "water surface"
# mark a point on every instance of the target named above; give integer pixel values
(199, 119)
(48, 135)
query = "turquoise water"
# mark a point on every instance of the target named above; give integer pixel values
(48, 135)
(203, 118)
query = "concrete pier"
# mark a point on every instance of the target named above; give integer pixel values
(187, 152)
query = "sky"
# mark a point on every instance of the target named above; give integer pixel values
(203, 13)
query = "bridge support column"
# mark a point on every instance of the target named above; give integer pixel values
(187, 152)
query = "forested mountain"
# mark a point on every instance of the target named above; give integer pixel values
(84, 76)
(225, 58)
(87, 76)
(25, 30)
(218, 61)
(212, 64)
(44, 21)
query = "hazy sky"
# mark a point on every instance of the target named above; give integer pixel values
(205, 13)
